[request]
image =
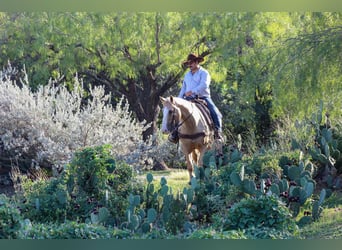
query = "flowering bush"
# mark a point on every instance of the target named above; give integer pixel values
(47, 126)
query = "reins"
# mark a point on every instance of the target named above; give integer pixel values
(185, 136)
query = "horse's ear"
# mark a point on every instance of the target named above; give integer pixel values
(162, 99)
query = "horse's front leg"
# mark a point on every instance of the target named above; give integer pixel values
(189, 165)
(200, 155)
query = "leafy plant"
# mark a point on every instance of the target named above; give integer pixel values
(210, 233)
(66, 230)
(262, 211)
(92, 170)
(99, 184)
(45, 200)
(324, 148)
(161, 208)
(93, 188)
(10, 218)
(270, 233)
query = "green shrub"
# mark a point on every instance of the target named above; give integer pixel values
(45, 200)
(91, 170)
(264, 166)
(210, 233)
(289, 158)
(67, 230)
(9, 219)
(270, 233)
(94, 188)
(96, 179)
(263, 211)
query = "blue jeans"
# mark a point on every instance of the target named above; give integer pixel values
(214, 112)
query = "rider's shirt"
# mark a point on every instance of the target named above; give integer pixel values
(198, 83)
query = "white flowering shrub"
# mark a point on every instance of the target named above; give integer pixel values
(47, 126)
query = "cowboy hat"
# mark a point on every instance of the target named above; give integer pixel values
(193, 58)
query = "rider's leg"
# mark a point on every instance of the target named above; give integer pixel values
(215, 114)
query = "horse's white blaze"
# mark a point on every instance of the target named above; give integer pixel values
(164, 122)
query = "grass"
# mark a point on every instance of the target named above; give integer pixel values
(329, 226)
(177, 179)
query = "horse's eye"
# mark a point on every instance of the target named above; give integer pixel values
(170, 112)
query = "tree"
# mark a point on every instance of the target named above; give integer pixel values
(309, 67)
(137, 55)
(280, 65)
(258, 61)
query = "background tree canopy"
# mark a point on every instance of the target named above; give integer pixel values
(265, 66)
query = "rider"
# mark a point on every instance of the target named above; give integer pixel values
(196, 85)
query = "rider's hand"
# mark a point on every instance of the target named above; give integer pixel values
(189, 93)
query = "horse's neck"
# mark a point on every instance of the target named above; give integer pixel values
(192, 118)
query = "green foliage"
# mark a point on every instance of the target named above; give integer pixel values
(210, 233)
(259, 62)
(98, 184)
(10, 218)
(45, 200)
(263, 211)
(324, 148)
(198, 212)
(94, 188)
(292, 184)
(92, 170)
(270, 233)
(67, 230)
(333, 200)
(264, 166)
(161, 208)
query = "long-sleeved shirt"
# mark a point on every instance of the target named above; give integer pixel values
(198, 83)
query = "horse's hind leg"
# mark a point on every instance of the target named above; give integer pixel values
(201, 154)
(195, 157)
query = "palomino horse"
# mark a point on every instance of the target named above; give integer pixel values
(194, 132)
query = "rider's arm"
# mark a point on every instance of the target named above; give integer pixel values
(182, 91)
(202, 88)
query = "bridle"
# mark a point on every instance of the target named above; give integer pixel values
(174, 125)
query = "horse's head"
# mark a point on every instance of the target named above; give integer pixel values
(171, 115)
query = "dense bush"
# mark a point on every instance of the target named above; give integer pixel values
(264, 165)
(44, 200)
(210, 233)
(92, 170)
(47, 126)
(67, 230)
(9, 218)
(264, 211)
(270, 233)
(96, 179)
(93, 188)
